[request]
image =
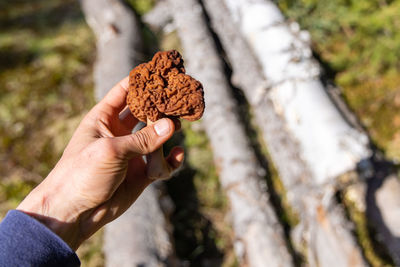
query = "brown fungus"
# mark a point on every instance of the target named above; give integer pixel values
(160, 88)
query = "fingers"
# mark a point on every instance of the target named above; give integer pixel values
(115, 98)
(159, 168)
(127, 119)
(175, 158)
(145, 141)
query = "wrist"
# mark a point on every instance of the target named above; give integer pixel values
(51, 209)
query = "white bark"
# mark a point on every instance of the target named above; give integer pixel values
(139, 237)
(118, 42)
(258, 236)
(159, 16)
(328, 144)
(323, 231)
(282, 146)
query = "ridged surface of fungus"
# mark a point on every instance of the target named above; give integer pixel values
(160, 88)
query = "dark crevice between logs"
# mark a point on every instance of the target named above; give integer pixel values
(381, 170)
(245, 117)
(365, 229)
(150, 42)
(194, 234)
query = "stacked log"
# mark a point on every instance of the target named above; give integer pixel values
(259, 238)
(301, 127)
(310, 142)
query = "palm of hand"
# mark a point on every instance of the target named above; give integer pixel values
(101, 172)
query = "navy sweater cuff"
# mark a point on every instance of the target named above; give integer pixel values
(24, 241)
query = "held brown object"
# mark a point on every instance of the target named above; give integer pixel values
(160, 88)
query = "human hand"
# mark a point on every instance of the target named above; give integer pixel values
(101, 172)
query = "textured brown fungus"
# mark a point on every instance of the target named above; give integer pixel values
(160, 88)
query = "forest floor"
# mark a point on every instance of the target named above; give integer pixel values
(46, 57)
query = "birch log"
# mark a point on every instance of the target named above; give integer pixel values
(159, 16)
(259, 237)
(328, 144)
(118, 43)
(139, 236)
(323, 231)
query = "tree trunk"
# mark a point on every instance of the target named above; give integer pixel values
(160, 16)
(329, 145)
(323, 230)
(258, 234)
(139, 237)
(119, 43)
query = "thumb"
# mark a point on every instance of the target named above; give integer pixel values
(145, 141)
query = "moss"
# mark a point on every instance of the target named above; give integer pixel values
(91, 251)
(359, 44)
(171, 41)
(206, 180)
(277, 189)
(142, 6)
(50, 81)
(363, 234)
(46, 57)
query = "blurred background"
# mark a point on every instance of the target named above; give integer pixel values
(47, 52)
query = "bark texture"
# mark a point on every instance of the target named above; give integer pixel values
(323, 231)
(259, 236)
(328, 144)
(119, 41)
(160, 16)
(139, 237)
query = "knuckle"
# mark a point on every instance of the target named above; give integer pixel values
(143, 141)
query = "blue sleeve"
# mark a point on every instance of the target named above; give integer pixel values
(24, 241)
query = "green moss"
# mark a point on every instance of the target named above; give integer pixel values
(171, 41)
(50, 80)
(363, 235)
(359, 42)
(287, 215)
(142, 6)
(91, 251)
(46, 57)
(14, 190)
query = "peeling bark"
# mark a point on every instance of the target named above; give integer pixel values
(139, 237)
(258, 235)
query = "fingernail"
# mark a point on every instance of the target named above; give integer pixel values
(124, 113)
(162, 127)
(180, 157)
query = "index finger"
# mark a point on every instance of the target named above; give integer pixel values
(116, 97)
